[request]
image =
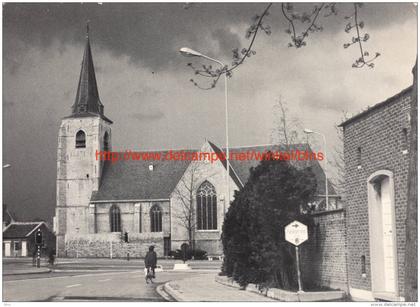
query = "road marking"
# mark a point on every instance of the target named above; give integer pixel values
(105, 279)
(63, 277)
(75, 285)
(81, 270)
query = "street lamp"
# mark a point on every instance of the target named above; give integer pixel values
(309, 131)
(192, 53)
(7, 166)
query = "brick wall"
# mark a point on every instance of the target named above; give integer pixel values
(379, 134)
(323, 256)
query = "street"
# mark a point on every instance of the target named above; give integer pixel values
(93, 280)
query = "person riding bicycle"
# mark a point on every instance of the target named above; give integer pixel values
(150, 262)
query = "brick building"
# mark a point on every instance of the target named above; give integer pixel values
(376, 145)
(99, 201)
(19, 239)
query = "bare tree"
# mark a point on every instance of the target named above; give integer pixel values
(337, 159)
(337, 162)
(185, 193)
(288, 130)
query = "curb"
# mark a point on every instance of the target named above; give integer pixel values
(160, 290)
(26, 273)
(283, 295)
(174, 293)
(194, 271)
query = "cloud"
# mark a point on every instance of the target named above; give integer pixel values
(8, 103)
(149, 116)
(150, 33)
(225, 39)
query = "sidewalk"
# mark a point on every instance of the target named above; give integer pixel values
(25, 270)
(23, 265)
(204, 288)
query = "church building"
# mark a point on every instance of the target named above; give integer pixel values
(166, 203)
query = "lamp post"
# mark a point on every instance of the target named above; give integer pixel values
(192, 53)
(309, 131)
(7, 166)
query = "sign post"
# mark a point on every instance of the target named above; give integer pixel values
(298, 269)
(296, 233)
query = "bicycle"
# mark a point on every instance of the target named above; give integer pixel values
(149, 274)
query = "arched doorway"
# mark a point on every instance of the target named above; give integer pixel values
(382, 233)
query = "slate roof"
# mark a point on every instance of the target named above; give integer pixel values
(20, 229)
(7, 215)
(130, 179)
(242, 169)
(87, 102)
(127, 180)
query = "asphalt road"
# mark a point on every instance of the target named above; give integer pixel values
(94, 280)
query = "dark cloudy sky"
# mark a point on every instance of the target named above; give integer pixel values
(144, 82)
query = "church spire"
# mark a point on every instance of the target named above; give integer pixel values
(87, 98)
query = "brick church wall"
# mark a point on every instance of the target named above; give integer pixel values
(379, 134)
(99, 245)
(323, 256)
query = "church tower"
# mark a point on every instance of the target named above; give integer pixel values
(81, 134)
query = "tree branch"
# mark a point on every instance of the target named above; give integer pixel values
(237, 61)
(297, 41)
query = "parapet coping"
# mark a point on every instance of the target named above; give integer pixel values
(327, 212)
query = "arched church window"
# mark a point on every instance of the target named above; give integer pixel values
(206, 206)
(115, 219)
(106, 141)
(155, 219)
(80, 139)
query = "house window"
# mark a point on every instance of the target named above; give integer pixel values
(115, 219)
(359, 156)
(155, 219)
(80, 139)
(404, 139)
(106, 141)
(206, 207)
(17, 245)
(363, 264)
